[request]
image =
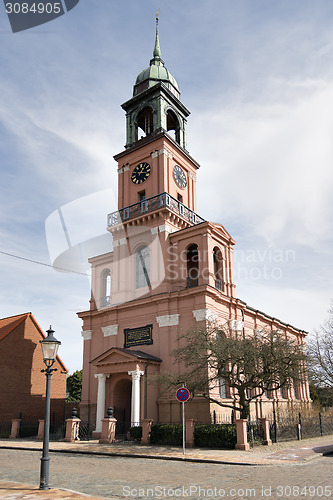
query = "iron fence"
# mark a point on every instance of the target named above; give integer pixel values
(222, 418)
(5, 429)
(57, 431)
(255, 433)
(300, 427)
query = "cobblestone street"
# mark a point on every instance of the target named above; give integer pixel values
(111, 477)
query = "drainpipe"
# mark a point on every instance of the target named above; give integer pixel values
(146, 391)
(243, 323)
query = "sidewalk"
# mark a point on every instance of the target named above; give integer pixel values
(292, 451)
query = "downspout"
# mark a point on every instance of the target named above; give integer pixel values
(243, 321)
(146, 391)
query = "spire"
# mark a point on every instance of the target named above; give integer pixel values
(157, 50)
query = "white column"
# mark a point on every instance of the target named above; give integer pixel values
(135, 402)
(100, 400)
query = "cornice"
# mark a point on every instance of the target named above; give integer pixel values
(155, 137)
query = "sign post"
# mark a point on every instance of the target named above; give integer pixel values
(183, 395)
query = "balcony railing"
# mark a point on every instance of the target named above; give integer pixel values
(150, 205)
(192, 282)
(219, 285)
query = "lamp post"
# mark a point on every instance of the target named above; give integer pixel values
(50, 347)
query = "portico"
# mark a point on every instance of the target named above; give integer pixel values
(121, 376)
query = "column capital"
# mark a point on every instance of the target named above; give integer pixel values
(101, 376)
(135, 374)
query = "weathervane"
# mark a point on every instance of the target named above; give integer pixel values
(157, 50)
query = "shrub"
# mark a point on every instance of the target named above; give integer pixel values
(170, 434)
(136, 432)
(215, 435)
(28, 430)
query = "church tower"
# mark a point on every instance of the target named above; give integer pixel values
(155, 105)
(169, 270)
(155, 160)
(157, 198)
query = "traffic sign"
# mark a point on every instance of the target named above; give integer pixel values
(182, 395)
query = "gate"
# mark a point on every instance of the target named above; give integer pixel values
(85, 431)
(122, 425)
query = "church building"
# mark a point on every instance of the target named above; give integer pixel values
(170, 270)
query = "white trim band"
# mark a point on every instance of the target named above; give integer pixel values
(168, 320)
(110, 330)
(86, 334)
(205, 315)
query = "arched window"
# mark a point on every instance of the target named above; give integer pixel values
(222, 388)
(142, 267)
(192, 265)
(145, 122)
(218, 268)
(105, 288)
(173, 124)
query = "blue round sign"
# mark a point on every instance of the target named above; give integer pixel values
(182, 395)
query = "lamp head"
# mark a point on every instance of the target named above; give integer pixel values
(50, 346)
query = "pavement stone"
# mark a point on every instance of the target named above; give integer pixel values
(18, 491)
(277, 455)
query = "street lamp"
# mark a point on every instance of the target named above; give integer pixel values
(50, 347)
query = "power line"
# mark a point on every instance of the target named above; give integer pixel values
(42, 263)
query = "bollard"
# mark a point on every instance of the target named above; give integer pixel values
(15, 432)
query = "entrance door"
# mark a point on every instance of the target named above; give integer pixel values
(122, 406)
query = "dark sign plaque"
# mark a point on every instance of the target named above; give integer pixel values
(138, 336)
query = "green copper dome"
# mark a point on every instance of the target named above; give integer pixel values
(156, 73)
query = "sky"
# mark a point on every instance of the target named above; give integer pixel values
(258, 80)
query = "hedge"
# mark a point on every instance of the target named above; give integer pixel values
(215, 435)
(205, 435)
(167, 434)
(136, 432)
(28, 430)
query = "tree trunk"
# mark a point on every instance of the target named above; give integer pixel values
(245, 409)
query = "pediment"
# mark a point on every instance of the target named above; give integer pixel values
(222, 230)
(118, 356)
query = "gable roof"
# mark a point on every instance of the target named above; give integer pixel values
(127, 354)
(8, 325)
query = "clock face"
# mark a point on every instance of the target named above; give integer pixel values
(141, 173)
(179, 176)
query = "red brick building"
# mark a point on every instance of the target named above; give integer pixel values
(22, 384)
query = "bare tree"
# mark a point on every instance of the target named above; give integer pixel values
(252, 365)
(320, 353)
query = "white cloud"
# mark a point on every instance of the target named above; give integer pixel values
(272, 165)
(258, 80)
